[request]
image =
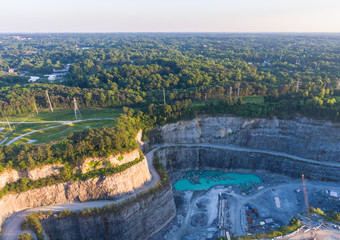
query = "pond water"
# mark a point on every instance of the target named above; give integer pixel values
(203, 180)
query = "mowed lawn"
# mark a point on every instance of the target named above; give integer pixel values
(58, 133)
(66, 115)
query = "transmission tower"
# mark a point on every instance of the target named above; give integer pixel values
(49, 101)
(306, 200)
(76, 108)
(9, 125)
(36, 109)
(297, 85)
(164, 96)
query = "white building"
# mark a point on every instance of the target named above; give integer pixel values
(51, 77)
(333, 194)
(33, 79)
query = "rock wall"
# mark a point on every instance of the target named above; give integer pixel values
(34, 174)
(195, 158)
(44, 171)
(8, 177)
(54, 169)
(319, 140)
(102, 187)
(136, 222)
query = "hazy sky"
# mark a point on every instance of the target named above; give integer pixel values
(169, 15)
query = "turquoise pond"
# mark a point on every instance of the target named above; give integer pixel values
(204, 180)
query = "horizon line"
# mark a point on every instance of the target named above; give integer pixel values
(250, 32)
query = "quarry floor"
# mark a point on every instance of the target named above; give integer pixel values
(198, 211)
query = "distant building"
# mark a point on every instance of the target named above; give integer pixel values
(333, 194)
(33, 79)
(51, 77)
(265, 63)
(269, 220)
(12, 70)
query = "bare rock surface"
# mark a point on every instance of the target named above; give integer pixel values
(319, 140)
(136, 222)
(100, 187)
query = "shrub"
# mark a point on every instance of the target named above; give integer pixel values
(25, 236)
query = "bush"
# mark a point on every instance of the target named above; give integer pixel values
(32, 223)
(25, 236)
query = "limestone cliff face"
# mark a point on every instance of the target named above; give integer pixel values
(34, 174)
(319, 140)
(103, 187)
(195, 158)
(136, 222)
(8, 177)
(44, 171)
(54, 169)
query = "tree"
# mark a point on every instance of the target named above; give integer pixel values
(25, 236)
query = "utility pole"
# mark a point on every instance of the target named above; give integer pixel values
(297, 85)
(164, 96)
(9, 125)
(306, 200)
(36, 109)
(76, 108)
(49, 101)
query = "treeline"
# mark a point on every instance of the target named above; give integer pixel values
(283, 107)
(20, 100)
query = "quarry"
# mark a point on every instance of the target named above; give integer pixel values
(229, 177)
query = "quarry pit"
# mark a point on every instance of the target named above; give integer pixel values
(234, 177)
(229, 176)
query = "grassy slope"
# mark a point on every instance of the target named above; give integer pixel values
(56, 134)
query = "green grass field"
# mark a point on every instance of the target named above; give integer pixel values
(67, 115)
(58, 133)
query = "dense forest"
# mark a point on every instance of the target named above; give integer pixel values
(132, 69)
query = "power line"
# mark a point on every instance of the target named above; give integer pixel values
(9, 125)
(76, 108)
(48, 97)
(164, 96)
(36, 109)
(297, 85)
